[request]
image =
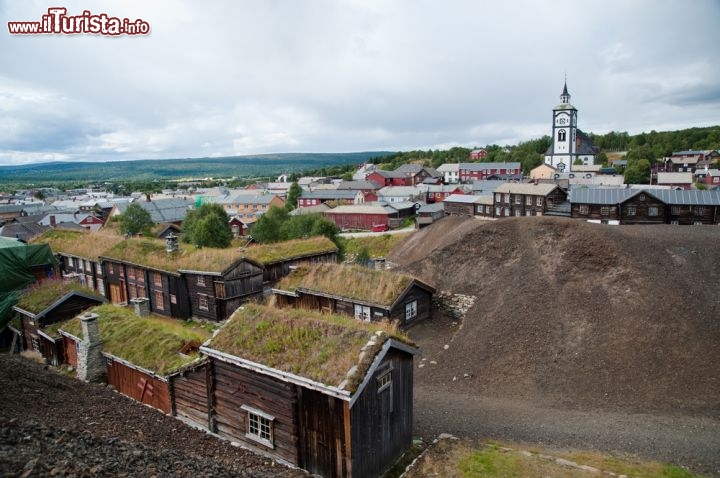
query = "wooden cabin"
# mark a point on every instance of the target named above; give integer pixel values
(79, 254)
(366, 294)
(46, 304)
(215, 292)
(652, 206)
(139, 372)
(279, 258)
(324, 393)
(461, 205)
(527, 199)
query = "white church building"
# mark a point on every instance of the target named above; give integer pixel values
(569, 144)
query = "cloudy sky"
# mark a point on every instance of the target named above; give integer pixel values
(235, 77)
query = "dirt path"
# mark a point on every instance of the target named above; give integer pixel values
(693, 442)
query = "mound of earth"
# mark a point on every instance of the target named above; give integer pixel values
(574, 314)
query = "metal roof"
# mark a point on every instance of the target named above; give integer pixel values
(691, 197)
(462, 198)
(674, 178)
(602, 195)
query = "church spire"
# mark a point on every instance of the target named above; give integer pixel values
(565, 96)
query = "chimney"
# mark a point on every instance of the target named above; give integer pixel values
(90, 362)
(142, 306)
(171, 243)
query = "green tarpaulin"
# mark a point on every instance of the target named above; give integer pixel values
(18, 264)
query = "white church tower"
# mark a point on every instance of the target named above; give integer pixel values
(568, 143)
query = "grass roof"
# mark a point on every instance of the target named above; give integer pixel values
(278, 251)
(39, 297)
(153, 342)
(355, 282)
(320, 347)
(89, 245)
(152, 253)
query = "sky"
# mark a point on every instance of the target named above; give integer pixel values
(237, 77)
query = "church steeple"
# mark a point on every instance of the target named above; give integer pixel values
(565, 96)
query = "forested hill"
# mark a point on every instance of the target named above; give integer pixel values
(650, 146)
(237, 166)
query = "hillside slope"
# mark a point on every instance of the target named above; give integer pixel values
(575, 314)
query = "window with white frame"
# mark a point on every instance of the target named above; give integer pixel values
(259, 426)
(675, 210)
(652, 211)
(631, 211)
(507, 197)
(410, 310)
(699, 210)
(518, 199)
(528, 200)
(508, 211)
(384, 381)
(203, 302)
(539, 201)
(201, 280)
(605, 211)
(362, 312)
(584, 209)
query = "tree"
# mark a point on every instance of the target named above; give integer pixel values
(578, 162)
(292, 196)
(602, 158)
(207, 226)
(638, 172)
(347, 176)
(135, 219)
(363, 256)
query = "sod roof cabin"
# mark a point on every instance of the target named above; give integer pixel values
(208, 283)
(43, 305)
(323, 392)
(140, 352)
(366, 294)
(79, 254)
(280, 258)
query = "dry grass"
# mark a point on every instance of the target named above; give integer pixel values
(151, 342)
(278, 251)
(39, 297)
(152, 253)
(317, 346)
(89, 245)
(356, 282)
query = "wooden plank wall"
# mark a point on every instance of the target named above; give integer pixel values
(323, 449)
(234, 387)
(139, 386)
(382, 422)
(70, 351)
(191, 395)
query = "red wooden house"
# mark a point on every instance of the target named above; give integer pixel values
(478, 154)
(363, 217)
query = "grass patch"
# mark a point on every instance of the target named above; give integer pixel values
(464, 459)
(279, 251)
(151, 342)
(39, 297)
(377, 246)
(89, 245)
(356, 282)
(317, 346)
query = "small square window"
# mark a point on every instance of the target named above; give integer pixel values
(631, 211)
(411, 310)
(259, 426)
(584, 209)
(652, 211)
(201, 280)
(539, 201)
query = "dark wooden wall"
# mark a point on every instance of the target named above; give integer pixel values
(233, 387)
(381, 422)
(139, 386)
(459, 208)
(641, 203)
(190, 395)
(424, 303)
(323, 441)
